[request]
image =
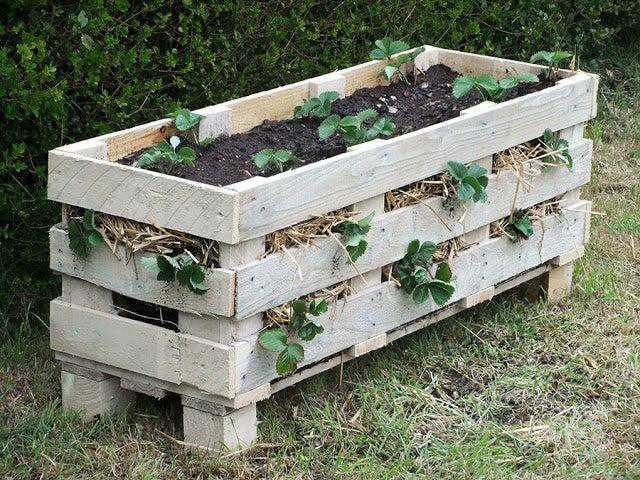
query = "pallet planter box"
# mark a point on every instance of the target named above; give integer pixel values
(211, 356)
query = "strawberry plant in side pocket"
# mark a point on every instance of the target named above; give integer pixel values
(415, 277)
(386, 48)
(352, 128)
(181, 268)
(319, 106)
(83, 234)
(269, 160)
(471, 181)
(519, 227)
(281, 340)
(558, 149)
(354, 233)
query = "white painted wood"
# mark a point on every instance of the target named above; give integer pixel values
(378, 310)
(103, 269)
(572, 134)
(143, 195)
(217, 122)
(368, 345)
(93, 398)
(298, 194)
(93, 148)
(145, 388)
(154, 351)
(86, 294)
(425, 59)
(225, 330)
(274, 280)
(482, 296)
(568, 257)
(477, 235)
(236, 430)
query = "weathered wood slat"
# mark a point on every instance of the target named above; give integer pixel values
(143, 195)
(154, 351)
(298, 194)
(381, 309)
(275, 279)
(130, 278)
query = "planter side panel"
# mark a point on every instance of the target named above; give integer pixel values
(130, 278)
(377, 167)
(135, 346)
(383, 308)
(143, 196)
(275, 279)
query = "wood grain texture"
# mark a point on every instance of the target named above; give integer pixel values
(143, 195)
(324, 186)
(274, 280)
(381, 309)
(91, 397)
(149, 350)
(130, 278)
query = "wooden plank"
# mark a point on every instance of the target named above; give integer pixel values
(93, 397)
(567, 257)
(274, 280)
(479, 297)
(393, 335)
(368, 345)
(381, 309)
(157, 352)
(240, 400)
(103, 268)
(330, 184)
(143, 195)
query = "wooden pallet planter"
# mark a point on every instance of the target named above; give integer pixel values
(212, 358)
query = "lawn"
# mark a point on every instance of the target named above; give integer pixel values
(511, 389)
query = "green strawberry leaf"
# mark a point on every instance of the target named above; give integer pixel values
(273, 339)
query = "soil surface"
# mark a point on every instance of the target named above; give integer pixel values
(427, 101)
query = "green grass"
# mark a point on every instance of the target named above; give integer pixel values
(510, 389)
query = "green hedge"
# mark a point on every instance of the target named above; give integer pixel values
(73, 71)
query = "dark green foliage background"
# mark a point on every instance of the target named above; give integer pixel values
(66, 76)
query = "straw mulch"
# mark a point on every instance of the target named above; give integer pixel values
(536, 214)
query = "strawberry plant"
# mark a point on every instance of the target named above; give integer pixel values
(489, 87)
(471, 181)
(185, 119)
(352, 129)
(169, 153)
(414, 273)
(386, 49)
(519, 227)
(354, 233)
(280, 340)
(182, 268)
(273, 160)
(552, 60)
(83, 234)
(319, 106)
(559, 148)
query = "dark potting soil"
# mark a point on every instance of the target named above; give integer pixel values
(427, 101)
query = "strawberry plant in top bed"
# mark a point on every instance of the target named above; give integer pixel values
(428, 98)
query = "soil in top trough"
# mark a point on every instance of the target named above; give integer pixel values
(427, 101)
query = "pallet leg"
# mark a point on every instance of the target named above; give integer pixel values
(93, 397)
(218, 428)
(558, 282)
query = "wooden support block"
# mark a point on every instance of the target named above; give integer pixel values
(326, 83)
(234, 430)
(86, 294)
(367, 346)
(479, 297)
(216, 122)
(567, 257)
(145, 388)
(93, 397)
(572, 134)
(558, 282)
